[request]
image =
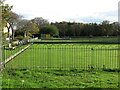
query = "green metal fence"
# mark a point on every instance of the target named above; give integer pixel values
(65, 55)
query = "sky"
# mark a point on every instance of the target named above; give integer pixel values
(86, 11)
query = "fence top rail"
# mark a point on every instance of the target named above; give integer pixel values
(76, 42)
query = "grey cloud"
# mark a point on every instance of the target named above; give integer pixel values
(88, 19)
(101, 17)
(110, 13)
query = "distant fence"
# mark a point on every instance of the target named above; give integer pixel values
(33, 39)
(24, 41)
(76, 42)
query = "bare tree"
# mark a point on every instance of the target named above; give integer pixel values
(40, 22)
(13, 20)
(27, 26)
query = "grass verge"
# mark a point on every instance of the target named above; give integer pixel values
(73, 78)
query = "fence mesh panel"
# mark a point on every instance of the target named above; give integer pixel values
(65, 56)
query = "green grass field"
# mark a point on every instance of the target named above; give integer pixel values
(84, 39)
(8, 53)
(28, 78)
(67, 56)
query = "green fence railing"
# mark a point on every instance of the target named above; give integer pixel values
(67, 55)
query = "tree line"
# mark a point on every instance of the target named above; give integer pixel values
(105, 28)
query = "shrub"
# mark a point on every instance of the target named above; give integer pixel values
(19, 37)
(27, 37)
(51, 29)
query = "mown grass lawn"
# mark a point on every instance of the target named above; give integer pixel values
(28, 78)
(84, 39)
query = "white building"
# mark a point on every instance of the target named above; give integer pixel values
(5, 29)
